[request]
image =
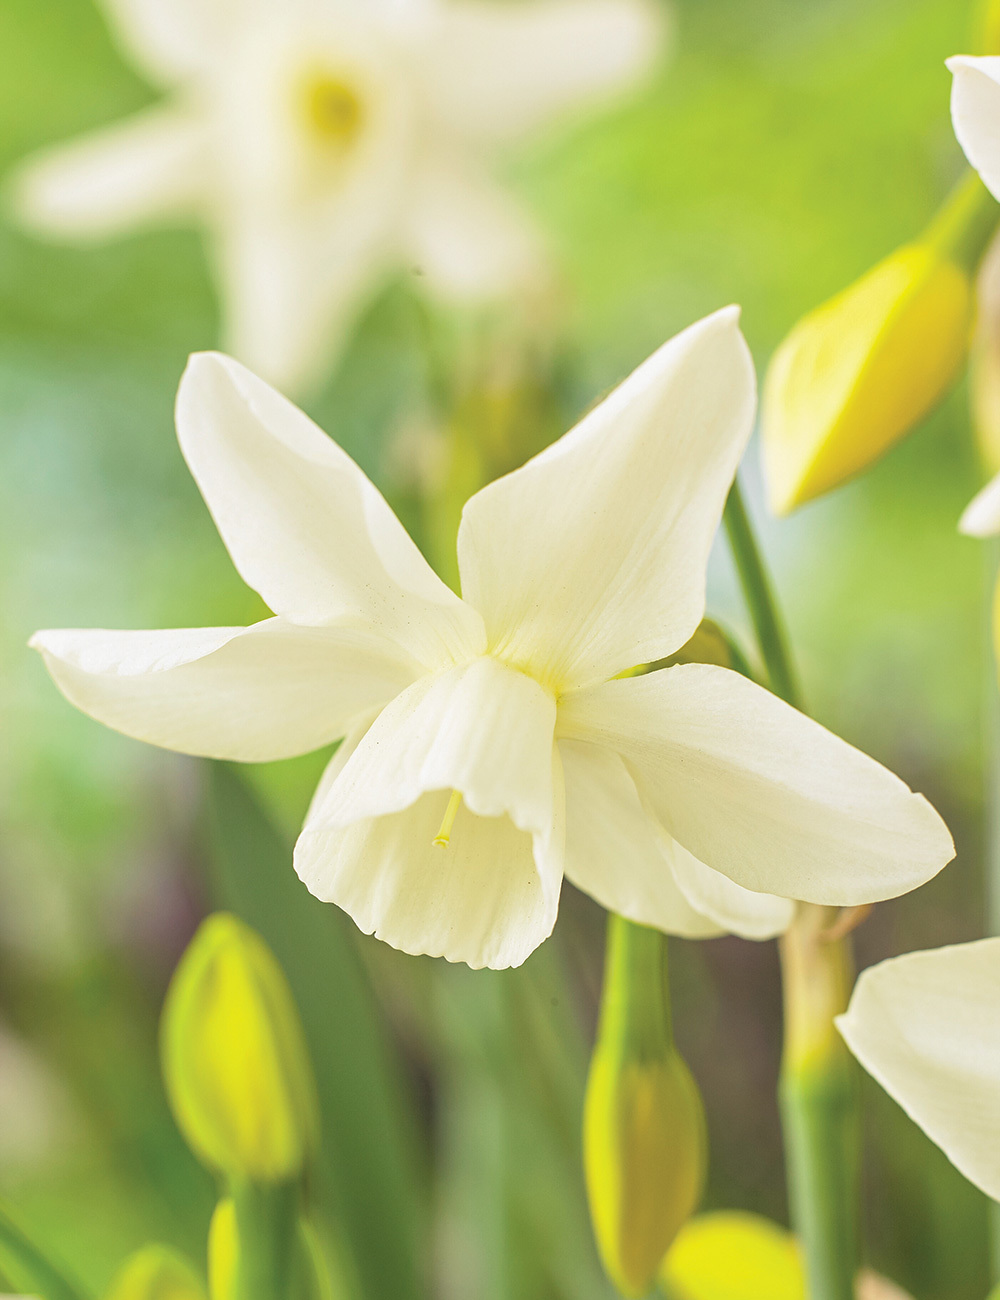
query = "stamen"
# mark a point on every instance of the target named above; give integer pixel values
(443, 836)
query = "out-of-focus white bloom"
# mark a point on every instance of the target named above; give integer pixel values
(927, 1026)
(975, 114)
(325, 143)
(491, 745)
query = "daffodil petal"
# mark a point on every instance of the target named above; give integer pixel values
(760, 792)
(975, 114)
(491, 895)
(468, 236)
(151, 168)
(982, 514)
(496, 72)
(303, 524)
(927, 1026)
(253, 694)
(612, 851)
(174, 39)
(737, 910)
(592, 557)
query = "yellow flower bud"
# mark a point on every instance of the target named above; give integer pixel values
(859, 372)
(856, 374)
(223, 1251)
(984, 362)
(310, 1278)
(235, 1061)
(156, 1273)
(989, 27)
(644, 1127)
(734, 1256)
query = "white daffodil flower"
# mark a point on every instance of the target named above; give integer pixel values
(491, 747)
(975, 114)
(325, 143)
(927, 1027)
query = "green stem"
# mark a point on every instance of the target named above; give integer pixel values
(966, 223)
(635, 1009)
(759, 598)
(27, 1267)
(266, 1231)
(818, 1097)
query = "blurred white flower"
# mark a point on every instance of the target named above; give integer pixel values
(975, 114)
(927, 1027)
(326, 143)
(491, 746)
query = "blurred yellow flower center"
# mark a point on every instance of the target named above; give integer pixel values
(334, 110)
(443, 837)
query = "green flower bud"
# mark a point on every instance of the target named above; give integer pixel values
(644, 1127)
(235, 1061)
(156, 1273)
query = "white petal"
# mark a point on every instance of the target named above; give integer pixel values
(760, 792)
(468, 237)
(303, 524)
(592, 557)
(175, 39)
(152, 168)
(927, 1026)
(738, 910)
(491, 896)
(975, 114)
(612, 851)
(982, 514)
(496, 70)
(268, 691)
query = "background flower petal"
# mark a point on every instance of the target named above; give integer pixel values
(592, 557)
(975, 114)
(927, 1026)
(760, 792)
(264, 692)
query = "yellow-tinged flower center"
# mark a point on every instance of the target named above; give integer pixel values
(442, 838)
(334, 110)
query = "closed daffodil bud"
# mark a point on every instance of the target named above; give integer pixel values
(235, 1061)
(644, 1127)
(988, 33)
(859, 372)
(308, 1275)
(984, 362)
(156, 1273)
(730, 1255)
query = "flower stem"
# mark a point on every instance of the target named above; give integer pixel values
(818, 1097)
(635, 1009)
(27, 1268)
(266, 1232)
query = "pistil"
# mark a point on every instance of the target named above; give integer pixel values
(442, 838)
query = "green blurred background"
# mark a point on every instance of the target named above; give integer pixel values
(786, 145)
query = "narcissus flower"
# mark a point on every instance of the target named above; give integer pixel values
(326, 143)
(927, 1026)
(490, 746)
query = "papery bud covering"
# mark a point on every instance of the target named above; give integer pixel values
(235, 1060)
(156, 1273)
(644, 1127)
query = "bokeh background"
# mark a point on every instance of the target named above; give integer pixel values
(783, 147)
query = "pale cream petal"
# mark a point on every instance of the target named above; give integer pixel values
(592, 557)
(264, 692)
(738, 910)
(982, 514)
(468, 237)
(927, 1026)
(490, 896)
(495, 71)
(174, 40)
(152, 168)
(612, 850)
(303, 524)
(975, 114)
(760, 792)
